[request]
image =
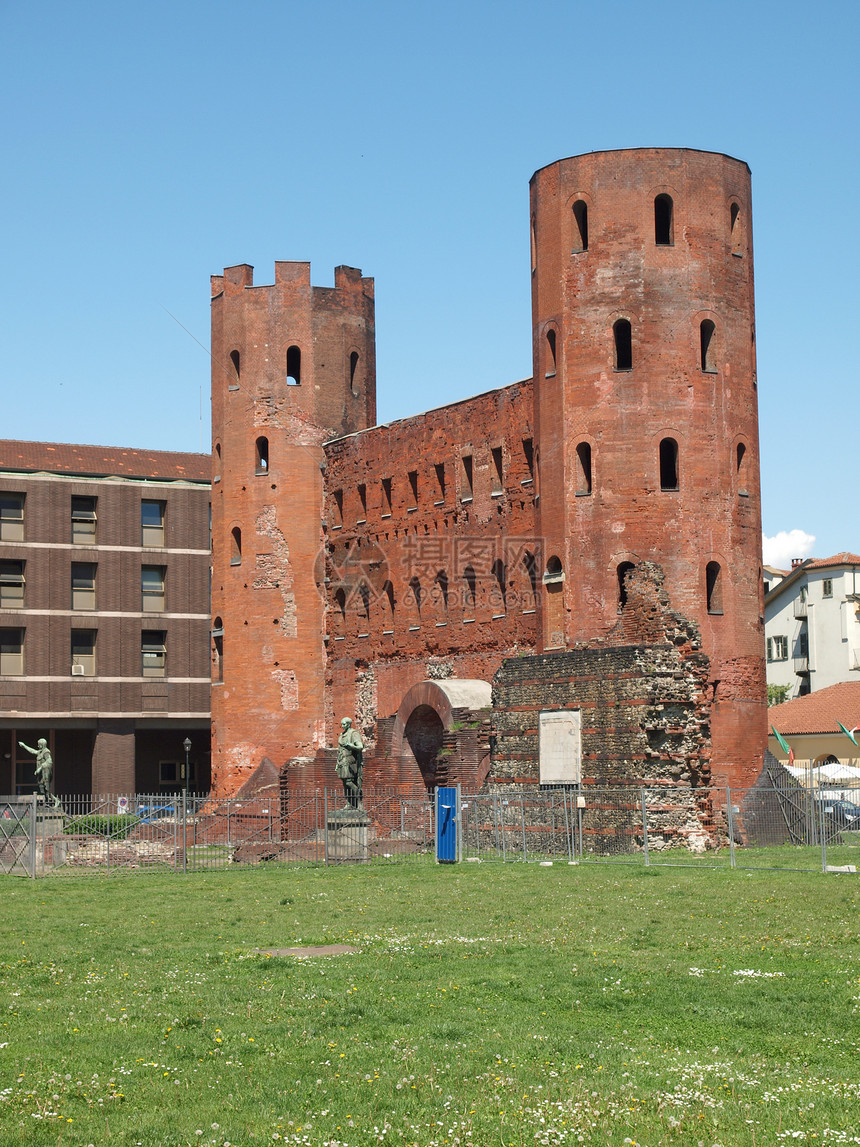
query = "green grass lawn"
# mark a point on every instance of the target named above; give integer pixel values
(487, 1004)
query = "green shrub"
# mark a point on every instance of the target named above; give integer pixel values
(103, 824)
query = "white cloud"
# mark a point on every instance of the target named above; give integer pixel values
(787, 544)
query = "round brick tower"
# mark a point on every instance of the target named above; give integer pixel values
(646, 412)
(292, 365)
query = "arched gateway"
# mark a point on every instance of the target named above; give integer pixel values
(438, 731)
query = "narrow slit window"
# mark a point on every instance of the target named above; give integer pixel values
(413, 489)
(500, 576)
(708, 344)
(741, 467)
(580, 227)
(11, 517)
(668, 464)
(498, 470)
(471, 588)
(261, 459)
(737, 229)
(714, 587)
(294, 366)
(623, 344)
(663, 221)
(353, 369)
(218, 649)
(388, 599)
(235, 546)
(415, 588)
(364, 594)
(551, 353)
(442, 589)
(235, 362)
(338, 507)
(466, 476)
(386, 497)
(440, 480)
(530, 565)
(583, 468)
(622, 572)
(362, 501)
(529, 455)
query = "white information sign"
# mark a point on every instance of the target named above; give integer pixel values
(560, 747)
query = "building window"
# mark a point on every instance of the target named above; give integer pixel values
(580, 227)
(12, 585)
(294, 366)
(466, 478)
(413, 489)
(714, 587)
(668, 464)
(441, 587)
(362, 498)
(440, 480)
(551, 354)
(152, 588)
(12, 652)
(708, 346)
(498, 470)
(471, 588)
(235, 362)
(261, 456)
(153, 652)
(235, 546)
(663, 221)
(84, 521)
(83, 652)
(583, 468)
(529, 455)
(353, 367)
(500, 576)
(737, 229)
(386, 497)
(218, 650)
(415, 587)
(623, 334)
(827, 587)
(11, 517)
(152, 523)
(740, 465)
(777, 649)
(83, 585)
(623, 570)
(388, 601)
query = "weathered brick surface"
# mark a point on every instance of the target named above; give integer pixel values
(498, 527)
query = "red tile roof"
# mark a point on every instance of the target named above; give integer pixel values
(843, 559)
(819, 712)
(103, 461)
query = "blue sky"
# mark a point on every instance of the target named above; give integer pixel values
(148, 146)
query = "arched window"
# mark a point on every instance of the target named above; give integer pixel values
(580, 227)
(340, 603)
(236, 546)
(530, 566)
(415, 587)
(553, 569)
(500, 575)
(741, 467)
(583, 468)
(218, 458)
(294, 366)
(550, 358)
(623, 344)
(668, 464)
(663, 222)
(235, 360)
(353, 367)
(364, 594)
(708, 343)
(471, 583)
(388, 600)
(622, 572)
(442, 588)
(737, 229)
(218, 649)
(714, 587)
(261, 461)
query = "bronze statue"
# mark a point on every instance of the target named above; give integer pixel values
(44, 769)
(349, 766)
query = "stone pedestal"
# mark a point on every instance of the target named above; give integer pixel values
(348, 832)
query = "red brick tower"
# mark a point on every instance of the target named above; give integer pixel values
(292, 365)
(646, 412)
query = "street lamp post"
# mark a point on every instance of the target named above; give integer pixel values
(186, 744)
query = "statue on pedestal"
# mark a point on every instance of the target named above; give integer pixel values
(349, 765)
(44, 770)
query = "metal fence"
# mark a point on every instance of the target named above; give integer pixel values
(780, 825)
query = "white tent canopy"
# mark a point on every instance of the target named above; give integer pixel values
(827, 773)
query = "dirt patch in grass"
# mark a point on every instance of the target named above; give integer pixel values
(315, 950)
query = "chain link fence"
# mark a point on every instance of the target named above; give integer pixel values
(777, 826)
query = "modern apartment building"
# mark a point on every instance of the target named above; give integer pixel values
(104, 617)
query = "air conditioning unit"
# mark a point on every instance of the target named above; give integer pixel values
(77, 671)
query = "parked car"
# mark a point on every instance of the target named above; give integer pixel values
(843, 812)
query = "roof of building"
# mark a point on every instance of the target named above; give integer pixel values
(797, 572)
(103, 461)
(843, 559)
(819, 712)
